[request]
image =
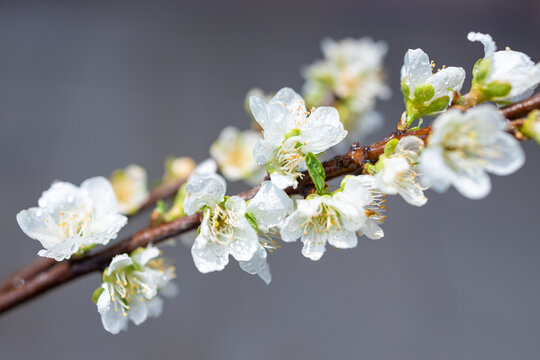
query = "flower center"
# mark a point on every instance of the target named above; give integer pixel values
(326, 219)
(74, 223)
(221, 222)
(290, 158)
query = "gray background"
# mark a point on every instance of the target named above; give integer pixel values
(86, 87)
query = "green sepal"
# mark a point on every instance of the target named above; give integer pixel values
(528, 128)
(405, 90)
(439, 104)
(423, 93)
(97, 294)
(251, 220)
(370, 169)
(199, 230)
(390, 147)
(481, 70)
(316, 171)
(496, 89)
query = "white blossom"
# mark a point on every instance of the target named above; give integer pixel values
(397, 173)
(71, 219)
(334, 218)
(352, 69)
(131, 188)
(506, 66)
(465, 146)
(224, 228)
(130, 288)
(233, 151)
(426, 93)
(290, 132)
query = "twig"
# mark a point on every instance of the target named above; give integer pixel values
(350, 163)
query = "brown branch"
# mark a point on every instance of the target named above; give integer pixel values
(350, 163)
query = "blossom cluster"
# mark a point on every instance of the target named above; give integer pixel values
(463, 145)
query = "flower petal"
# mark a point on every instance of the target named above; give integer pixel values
(269, 206)
(203, 189)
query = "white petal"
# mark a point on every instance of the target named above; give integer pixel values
(119, 262)
(154, 306)
(409, 143)
(507, 157)
(314, 245)
(372, 230)
(138, 311)
(39, 225)
(101, 192)
(59, 194)
(256, 263)
(245, 241)
(293, 102)
(263, 151)
(322, 130)
(474, 184)
(433, 170)
(112, 317)
(445, 79)
(204, 189)
(486, 40)
(343, 239)
(149, 253)
(269, 206)
(416, 69)
(209, 256)
(265, 274)
(283, 181)
(291, 229)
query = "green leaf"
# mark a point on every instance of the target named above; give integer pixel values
(96, 294)
(497, 89)
(423, 93)
(316, 171)
(251, 220)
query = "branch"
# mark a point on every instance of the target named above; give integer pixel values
(350, 163)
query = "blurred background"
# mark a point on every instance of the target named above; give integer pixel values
(90, 86)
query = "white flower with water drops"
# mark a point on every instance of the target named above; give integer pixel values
(233, 152)
(72, 219)
(503, 76)
(131, 188)
(224, 228)
(291, 132)
(130, 288)
(333, 219)
(396, 173)
(426, 93)
(463, 147)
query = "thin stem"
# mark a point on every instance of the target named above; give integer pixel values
(350, 163)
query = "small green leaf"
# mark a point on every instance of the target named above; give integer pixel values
(423, 93)
(251, 220)
(316, 171)
(497, 89)
(390, 147)
(97, 294)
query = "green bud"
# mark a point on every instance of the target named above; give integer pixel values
(531, 126)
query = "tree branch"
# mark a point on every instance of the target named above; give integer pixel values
(350, 163)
